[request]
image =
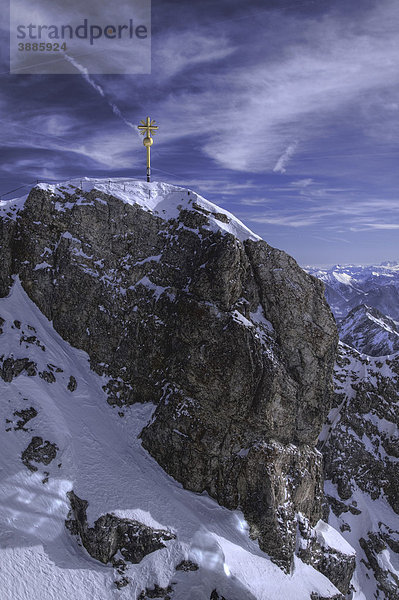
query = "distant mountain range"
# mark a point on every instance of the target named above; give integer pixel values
(351, 285)
(365, 303)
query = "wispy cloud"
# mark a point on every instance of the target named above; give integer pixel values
(98, 88)
(281, 164)
(368, 226)
(302, 183)
(248, 116)
(180, 50)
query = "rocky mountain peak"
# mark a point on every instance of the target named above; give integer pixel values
(179, 305)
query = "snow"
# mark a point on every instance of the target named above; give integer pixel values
(343, 278)
(383, 425)
(239, 318)
(43, 265)
(259, 318)
(101, 458)
(328, 537)
(375, 515)
(156, 258)
(158, 290)
(162, 199)
(9, 208)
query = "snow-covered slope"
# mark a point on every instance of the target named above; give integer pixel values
(360, 444)
(369, 331)
(53, 395)
(347, 286)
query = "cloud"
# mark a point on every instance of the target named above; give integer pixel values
(302, 183)
(85, 74)
(330, 213)
(368, 226)
(291, 220)
(62, 140)
(281, 164)
(180, 50)
(245, 116)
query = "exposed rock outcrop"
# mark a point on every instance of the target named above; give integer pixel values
(111, 534)
(8, 241)
(338, 564)
(366, 431)
(11, 367)
(39, 451)
(387, 578)
(24, 415)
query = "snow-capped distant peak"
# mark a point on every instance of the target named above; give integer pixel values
(342, 277)
(348, 286)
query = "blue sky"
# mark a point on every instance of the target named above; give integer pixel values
(285, 113)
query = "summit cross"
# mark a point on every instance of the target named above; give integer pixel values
(148, 129)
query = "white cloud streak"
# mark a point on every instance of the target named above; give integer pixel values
(281, 164)
(85, 74)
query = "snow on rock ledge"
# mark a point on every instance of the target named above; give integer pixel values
(161, 199)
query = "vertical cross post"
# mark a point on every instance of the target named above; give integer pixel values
(148, 129)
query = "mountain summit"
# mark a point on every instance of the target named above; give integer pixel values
(168, 374)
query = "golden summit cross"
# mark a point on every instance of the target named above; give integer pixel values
(148, 129)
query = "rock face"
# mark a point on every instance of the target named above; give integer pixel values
(369, 331)
(361, 451)
(39, 451)
(111, 534)
(229, 337)
(8, 241)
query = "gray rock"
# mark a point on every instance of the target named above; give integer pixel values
(25, 415)
(315, 596)
(187, 565)
(349, 459)
(111, 534)
(30, 339)
(39, 451)
(388, 581)
(47, 376)
(216, 596)
(8, 244)
(156, 592)
(12, 367)
(122, 582)
(72, 384)
(334, 564)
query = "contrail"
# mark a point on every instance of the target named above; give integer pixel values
(85, 74)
